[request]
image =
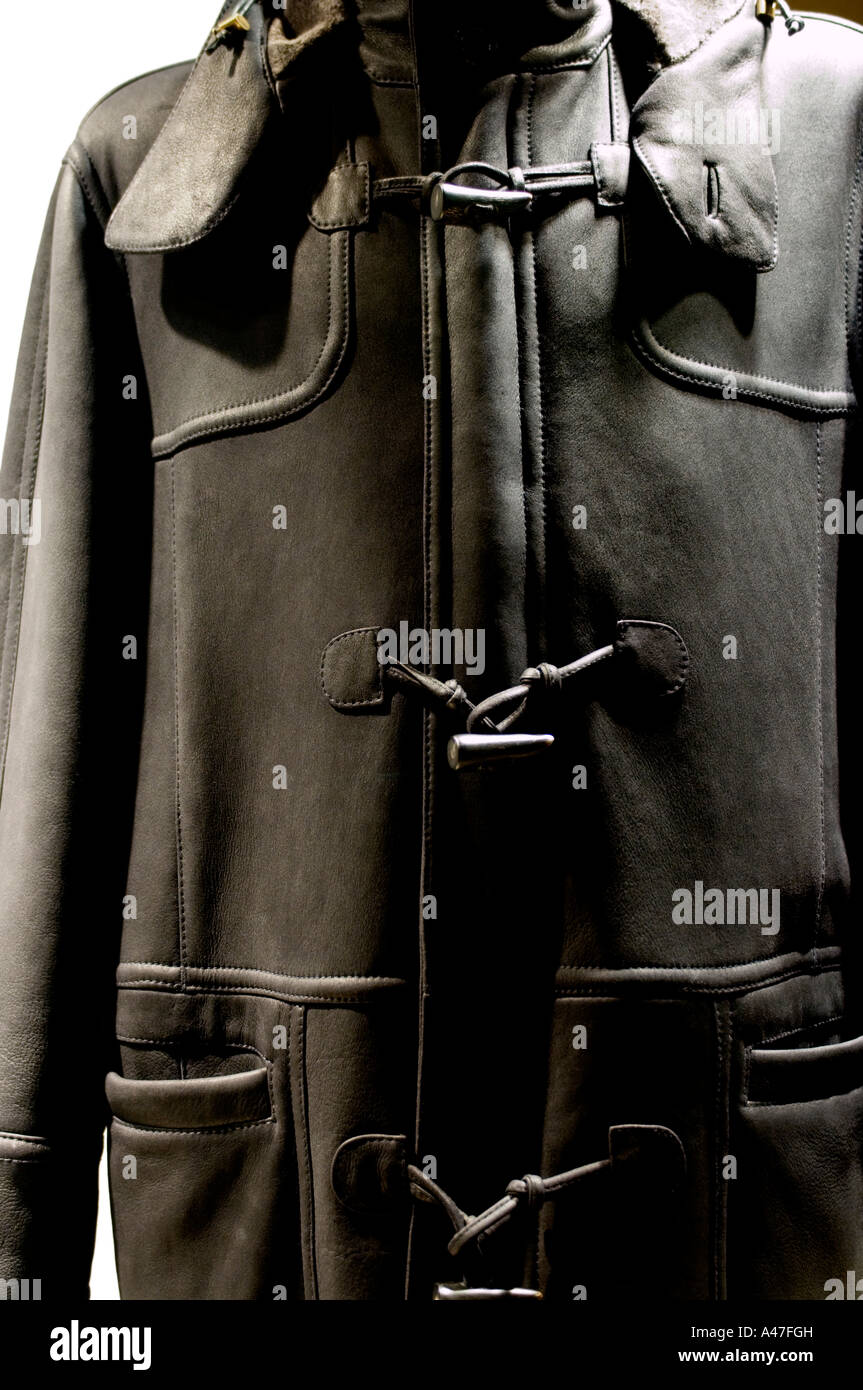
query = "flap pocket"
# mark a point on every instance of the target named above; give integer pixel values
(782, 1076)
(212, 1102)
(714, 326)
(247, 328)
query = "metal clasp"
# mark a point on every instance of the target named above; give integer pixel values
(773, 9)
(235, 23)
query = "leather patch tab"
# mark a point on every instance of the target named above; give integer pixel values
(344, 200)
(369, 1172)
(611, 171)
(351, 675)
(647, 1157)
(650, 657)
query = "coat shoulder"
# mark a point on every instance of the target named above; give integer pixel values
(827, 50)
(115, 135)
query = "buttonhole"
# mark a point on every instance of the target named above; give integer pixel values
(710, 177)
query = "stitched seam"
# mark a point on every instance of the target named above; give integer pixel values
(742, 390)
(745, 987)
(716, 1160)
(721, 1123)
(842, 1051)
(543, 501)
(307, 1151)
(427, 751)
(23, 1138)
(208, 1129)
(852, 213)
(819, 683)
(289, 996)
(543, 488)
(265, 400)
(614, 112)
(585, 61)
(296, 1080)
(527, 102)
(71, 162)
(100, 217)
(181, 901)
(797, 1032)
(797, 1100)
(215, 421)
(603, 196)
(177, 243)
(14, 610)
(264, 54)
(660, 186)
(381, 81)
(251, 970)
(184, 1037)
(684, 653)
(752, 960)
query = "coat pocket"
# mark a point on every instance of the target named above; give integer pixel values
(195, 1172)
(795, 1207)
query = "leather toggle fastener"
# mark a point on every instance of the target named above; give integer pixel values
(446, 1292)
(448, 199)
(511, 190)
(477, 750)
(650, 659)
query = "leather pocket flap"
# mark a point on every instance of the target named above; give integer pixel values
(781, 1076)
(210, 1102)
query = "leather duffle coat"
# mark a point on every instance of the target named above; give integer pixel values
(428, 825)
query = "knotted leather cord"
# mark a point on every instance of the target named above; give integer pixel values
(510, 188)
(453, 696)
(531, 1191)
(545, 677)
(448, 693)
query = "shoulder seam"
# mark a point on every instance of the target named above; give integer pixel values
(830, 19)
(94, 194)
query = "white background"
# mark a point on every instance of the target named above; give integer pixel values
(60, 58)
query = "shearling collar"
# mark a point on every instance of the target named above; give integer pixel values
(697, 57)
(675, 28)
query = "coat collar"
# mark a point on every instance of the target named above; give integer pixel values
(189, 179)
(704, 137)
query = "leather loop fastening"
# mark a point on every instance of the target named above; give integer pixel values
(496, 192)
(653, 1150)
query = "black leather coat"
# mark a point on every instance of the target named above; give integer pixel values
(531, 341)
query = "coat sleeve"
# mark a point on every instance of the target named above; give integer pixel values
(74, 488)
